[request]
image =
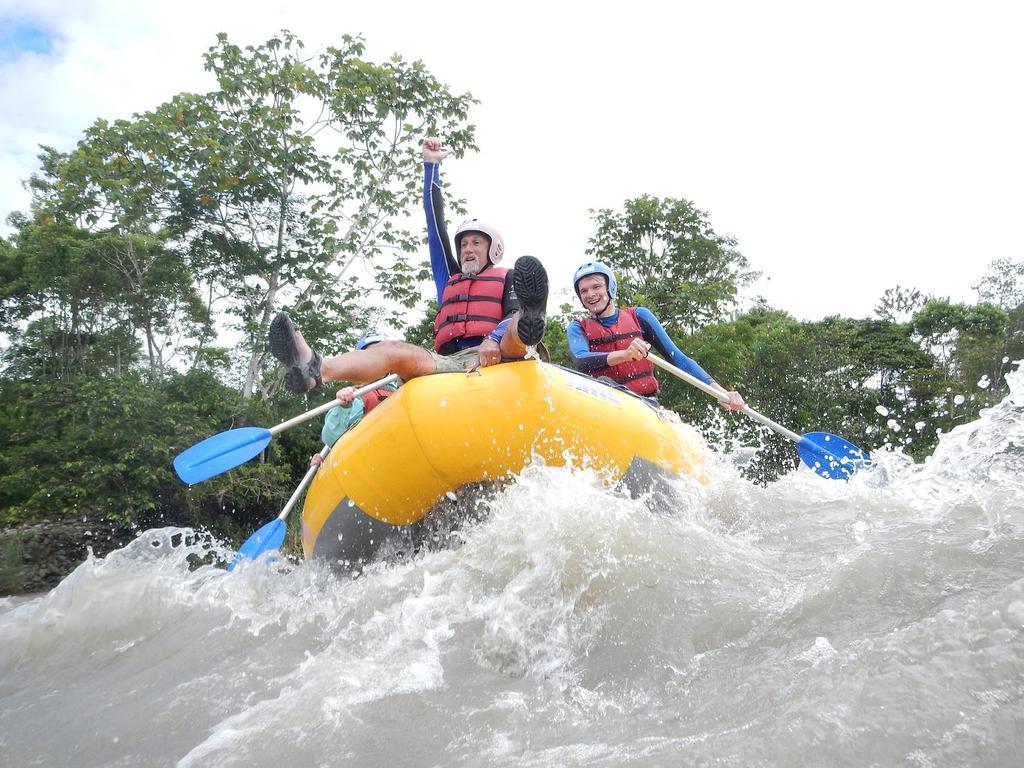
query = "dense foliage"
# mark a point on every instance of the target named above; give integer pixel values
(136, 292)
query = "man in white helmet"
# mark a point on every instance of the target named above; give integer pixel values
(486, 313)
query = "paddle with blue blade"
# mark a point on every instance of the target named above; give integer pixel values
(234, 447)
(271, 536)
(827, 455)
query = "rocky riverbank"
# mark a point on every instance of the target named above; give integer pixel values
(35, 557)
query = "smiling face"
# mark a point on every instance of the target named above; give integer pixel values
(473, 247)
(593, 291)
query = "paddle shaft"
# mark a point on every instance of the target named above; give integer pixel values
(389, 379)
(306, 480)
(721, 394)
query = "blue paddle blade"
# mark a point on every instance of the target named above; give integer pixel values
(269, 537)
(831, 456)
(220, 453)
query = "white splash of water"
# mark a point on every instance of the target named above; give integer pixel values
(572, 625)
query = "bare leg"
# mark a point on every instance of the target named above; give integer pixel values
(303, 365)
(361, 366)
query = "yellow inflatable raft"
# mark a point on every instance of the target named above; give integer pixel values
(440, 433)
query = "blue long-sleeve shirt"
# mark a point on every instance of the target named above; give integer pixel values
(443, 263)
(653, 333)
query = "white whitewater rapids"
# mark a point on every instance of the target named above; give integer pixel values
(812, 622)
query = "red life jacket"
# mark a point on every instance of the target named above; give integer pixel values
(373, 398)
(638, 375)
(470, 307)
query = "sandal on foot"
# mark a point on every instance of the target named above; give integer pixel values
(296, 378)
(281, 337)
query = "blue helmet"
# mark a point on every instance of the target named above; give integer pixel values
(596, 268)
(370, 337)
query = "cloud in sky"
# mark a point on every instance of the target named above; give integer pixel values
(848, 148)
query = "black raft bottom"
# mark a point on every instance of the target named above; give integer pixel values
(350, 538)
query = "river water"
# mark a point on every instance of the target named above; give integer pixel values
(809, 623)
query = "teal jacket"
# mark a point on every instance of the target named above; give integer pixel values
(341, 419)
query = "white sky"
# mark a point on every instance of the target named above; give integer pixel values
(849, 147)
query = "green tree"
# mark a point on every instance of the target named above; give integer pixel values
(1002, 284)
(883, 353)
(667, 257)
(981, 347)
(898, 304)
(84, 286)
(285, 185)
(63, 451)
(422, 333)
(954, 331)
(556, 337)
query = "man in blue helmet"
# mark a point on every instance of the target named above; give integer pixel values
(486, 313)
(614, 343)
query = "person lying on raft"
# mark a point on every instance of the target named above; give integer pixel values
(351, 409)
(614, 342)
(486, 313)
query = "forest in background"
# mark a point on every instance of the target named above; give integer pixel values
(136, 292)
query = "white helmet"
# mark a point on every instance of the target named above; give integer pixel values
(497, 249)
